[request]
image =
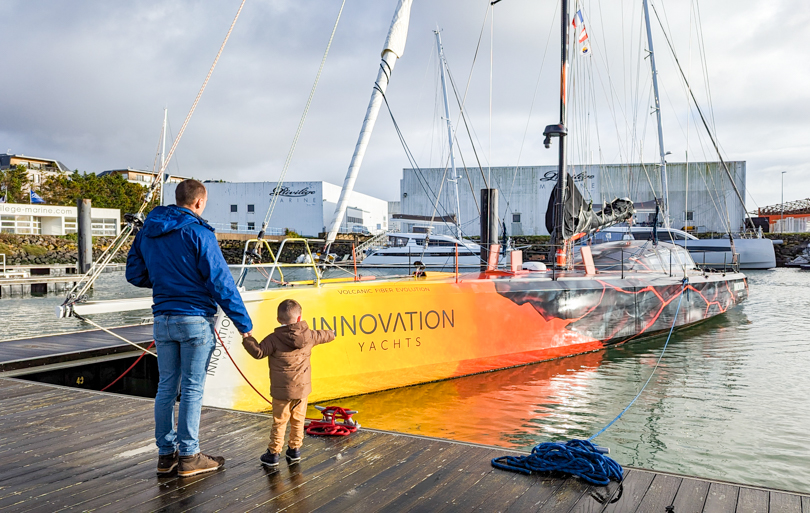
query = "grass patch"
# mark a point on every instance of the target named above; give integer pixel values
(5, 249)
(34, 250)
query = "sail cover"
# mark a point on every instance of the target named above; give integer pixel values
(579, 216)
(398, 33)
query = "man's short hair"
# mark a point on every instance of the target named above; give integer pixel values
(289, 310)
(188, 192)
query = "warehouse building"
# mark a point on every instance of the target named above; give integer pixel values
(306, 208)
(700, 200)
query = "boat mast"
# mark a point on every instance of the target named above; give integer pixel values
(559, 130)
(664, 200)
(163, 159)
(442, 65)
(393, 49)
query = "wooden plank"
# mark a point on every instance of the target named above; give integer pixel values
(661, 493)
(452, 493)
(242, 476)
(806, 504)
(385, 486)
(721, 498)
(499, 489)
(144, 490)
(634, 488)
(750, 500)
(691, 496)
(408, 492)
(251, 477)
(784, 503)
(369, 461)
(598, 498)
(538, 492)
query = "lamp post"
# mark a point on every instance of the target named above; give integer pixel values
(782, 229)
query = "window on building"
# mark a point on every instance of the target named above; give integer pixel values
(234, 208)
(515, 218)
(358, 220)
(21, 224)
(251, 225)
(70, 225)
(102, 227)
(690, 216)
(251, 209)
(234, 226)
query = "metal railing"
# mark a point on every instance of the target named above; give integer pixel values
(378, 240)
(260, 244)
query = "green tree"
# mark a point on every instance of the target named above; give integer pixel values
(14, 184)
(108, 191)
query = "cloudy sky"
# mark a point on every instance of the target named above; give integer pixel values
(86, 82)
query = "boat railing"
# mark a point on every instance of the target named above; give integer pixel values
(274, 265)
(711, 266)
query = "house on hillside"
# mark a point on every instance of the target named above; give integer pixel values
(38, 168)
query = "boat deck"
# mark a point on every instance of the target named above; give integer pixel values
(19, 356)
(63, 448)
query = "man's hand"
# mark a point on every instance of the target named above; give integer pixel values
(246, 335)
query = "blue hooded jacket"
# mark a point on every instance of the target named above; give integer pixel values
(177, 256)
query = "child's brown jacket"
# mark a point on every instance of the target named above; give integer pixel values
(288, 350)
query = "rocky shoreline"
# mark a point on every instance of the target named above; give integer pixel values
(46, 249)
(49, 250)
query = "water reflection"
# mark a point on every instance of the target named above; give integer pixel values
(496, 408)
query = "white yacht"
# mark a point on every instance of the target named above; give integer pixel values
(409, 249)
(753, 253)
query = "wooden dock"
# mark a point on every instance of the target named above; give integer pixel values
(63, 448)
(47, 352)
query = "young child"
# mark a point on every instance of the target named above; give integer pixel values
(288, 349)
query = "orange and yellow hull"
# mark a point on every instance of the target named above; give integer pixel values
(393, 333)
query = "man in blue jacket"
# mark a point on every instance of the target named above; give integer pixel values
(177, 255)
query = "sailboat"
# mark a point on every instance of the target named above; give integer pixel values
(428, 326)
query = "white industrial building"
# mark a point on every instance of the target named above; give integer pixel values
(306, 208)
(55, 220)
(702, 200)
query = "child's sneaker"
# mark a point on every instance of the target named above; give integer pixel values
(293, 455)
(269, 459)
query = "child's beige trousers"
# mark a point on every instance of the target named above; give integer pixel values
(294, 411)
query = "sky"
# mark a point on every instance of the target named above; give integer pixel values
(85, 82)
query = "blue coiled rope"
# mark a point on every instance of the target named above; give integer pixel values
(581, 458)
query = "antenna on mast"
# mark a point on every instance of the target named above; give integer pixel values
(455, 176)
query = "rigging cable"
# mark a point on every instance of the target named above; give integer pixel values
(83, 285)
(286, 166)
(705, 124)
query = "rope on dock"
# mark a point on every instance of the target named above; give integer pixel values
(581, 458)
(130, 367)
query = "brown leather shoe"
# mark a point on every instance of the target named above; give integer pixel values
(199, 464)
(167, 463)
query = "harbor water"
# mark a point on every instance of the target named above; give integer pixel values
(728, 401)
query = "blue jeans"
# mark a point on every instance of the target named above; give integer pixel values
(184, 346)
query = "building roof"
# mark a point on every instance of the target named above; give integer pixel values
(59, 165)
(144, 171)
(790, 208)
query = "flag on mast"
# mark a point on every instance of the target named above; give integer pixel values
(36, 198)
(582, 37)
